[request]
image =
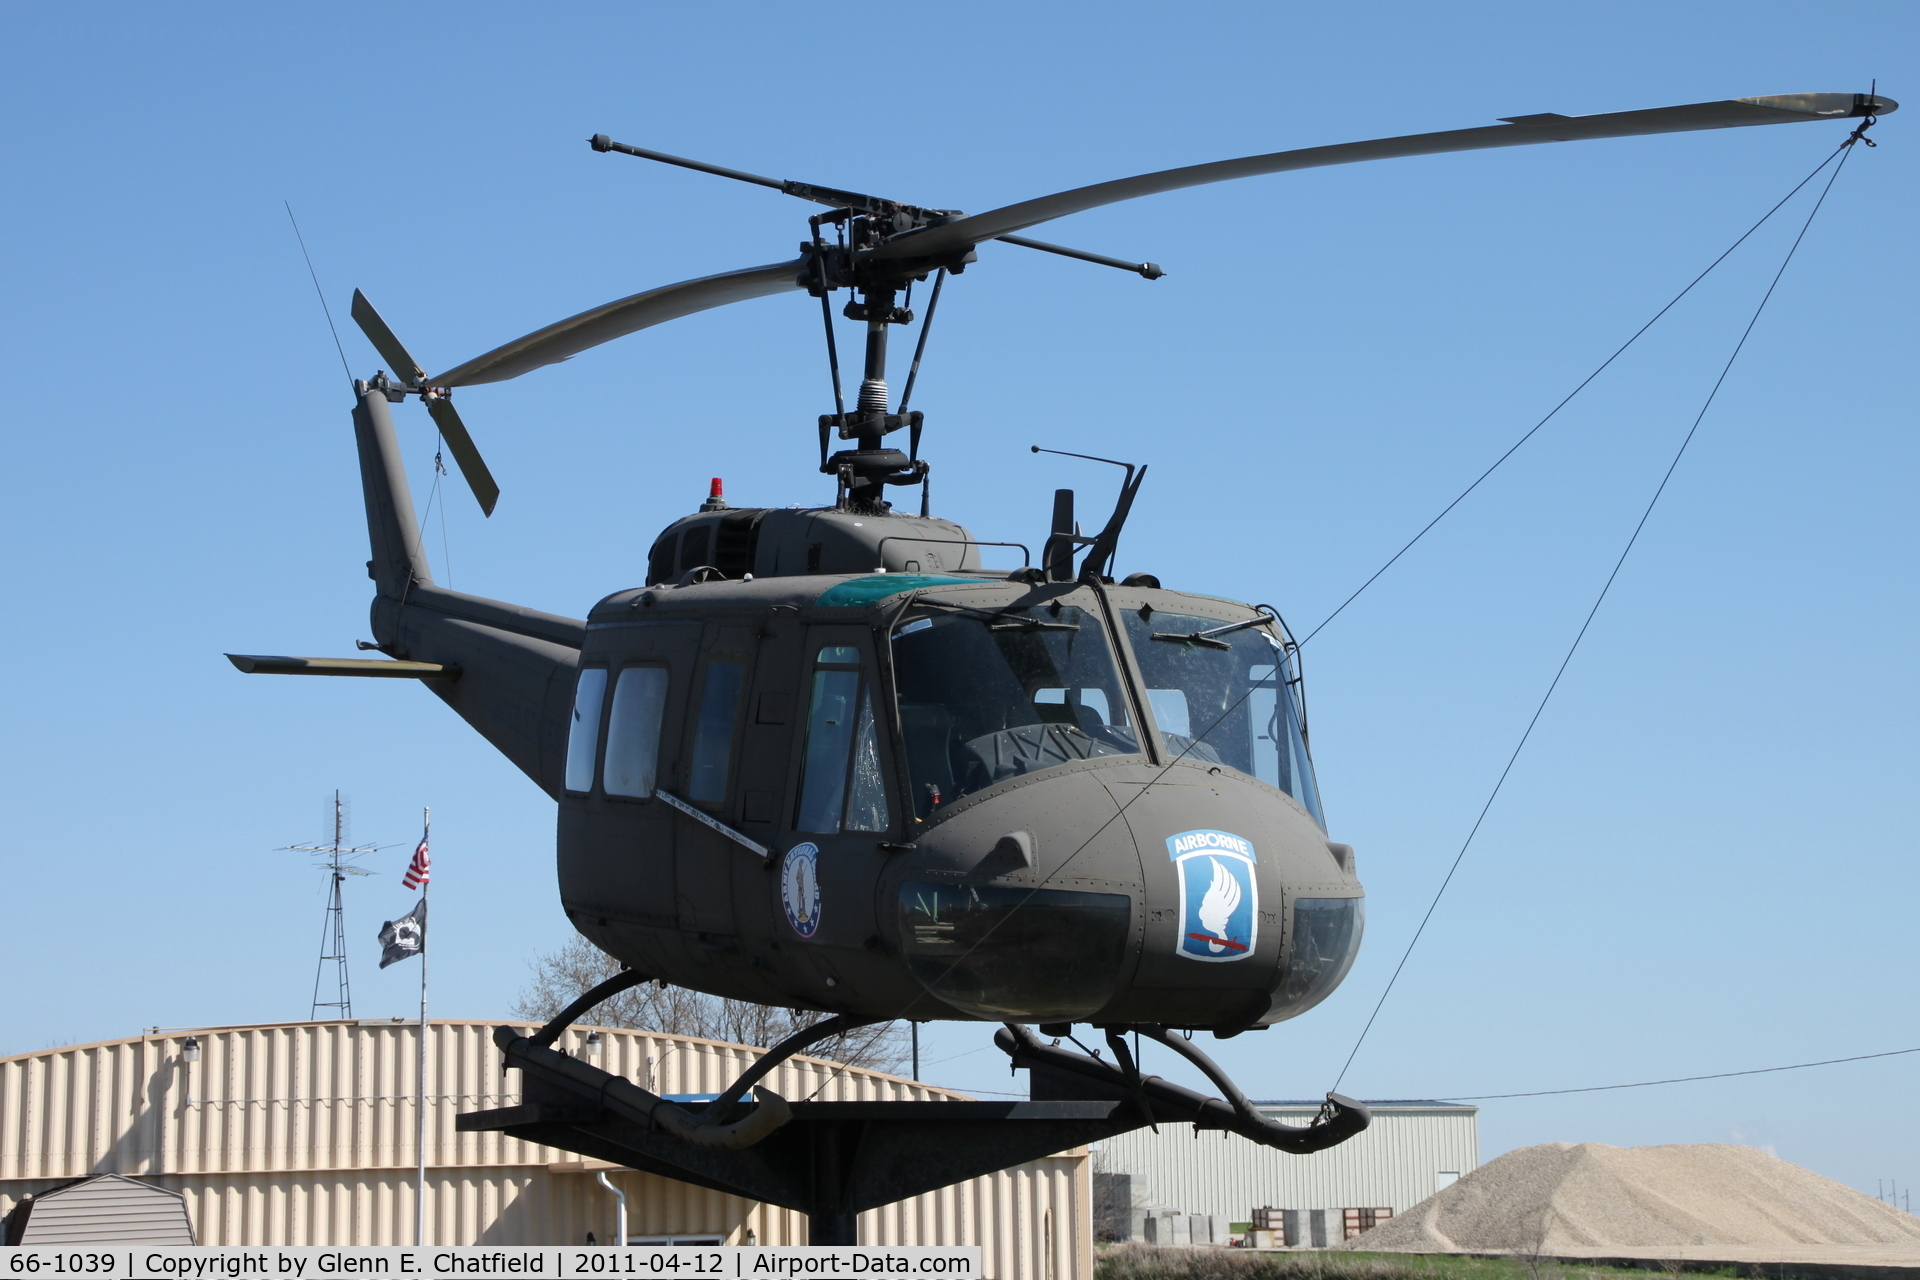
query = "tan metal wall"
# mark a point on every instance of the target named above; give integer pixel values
(303, 1133)
(1395, 1163)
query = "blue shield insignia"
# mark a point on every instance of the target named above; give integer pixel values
(800, 888)
(1219, 898)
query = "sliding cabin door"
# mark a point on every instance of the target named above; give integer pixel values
(705, 776)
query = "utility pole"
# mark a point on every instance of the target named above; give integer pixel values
(336, 858)
(420, 1072)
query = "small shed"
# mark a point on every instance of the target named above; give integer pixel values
(105, 1209)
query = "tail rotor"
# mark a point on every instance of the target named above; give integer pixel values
(437, 399)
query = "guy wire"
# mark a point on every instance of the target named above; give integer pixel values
(325, 309)
(1644, 1084)
(440, 469)
(1235, 706)
(1598, 601)
(1601, 368)
(1200, 737)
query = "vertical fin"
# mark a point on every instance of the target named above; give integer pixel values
(399, 564)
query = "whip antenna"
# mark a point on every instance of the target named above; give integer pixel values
(318, 291)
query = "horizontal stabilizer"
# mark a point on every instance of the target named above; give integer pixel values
(258, 664)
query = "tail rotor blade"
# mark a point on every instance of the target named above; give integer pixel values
(468, 458)
(402, 364)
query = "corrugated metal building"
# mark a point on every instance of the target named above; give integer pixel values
(1411, 1150)
(303, 1133)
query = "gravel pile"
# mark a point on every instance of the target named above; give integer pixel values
(1563, 1195)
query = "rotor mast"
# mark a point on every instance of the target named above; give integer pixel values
(865, 470)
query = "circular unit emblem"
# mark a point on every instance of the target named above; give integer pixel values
(800, 888)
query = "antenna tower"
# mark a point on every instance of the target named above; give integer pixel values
(336, 858)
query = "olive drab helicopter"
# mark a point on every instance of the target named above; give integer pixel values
(823, 759)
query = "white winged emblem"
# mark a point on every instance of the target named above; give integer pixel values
(1217, 907)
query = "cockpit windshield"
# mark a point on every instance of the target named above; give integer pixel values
(1225, 698)
(988, 695)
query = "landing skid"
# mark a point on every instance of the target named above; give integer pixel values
(831, 1160)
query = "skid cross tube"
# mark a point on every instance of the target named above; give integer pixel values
(839, 1024)
(622, 981)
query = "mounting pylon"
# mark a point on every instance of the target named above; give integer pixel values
(337, 860)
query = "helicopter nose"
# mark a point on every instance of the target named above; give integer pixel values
(1222, 860)
(1130, 893)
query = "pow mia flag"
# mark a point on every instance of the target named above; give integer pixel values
(404, 937)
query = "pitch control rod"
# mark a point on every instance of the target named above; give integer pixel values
(854, 200)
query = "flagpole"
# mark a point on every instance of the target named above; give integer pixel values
(420, 1101)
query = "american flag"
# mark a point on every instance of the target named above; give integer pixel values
(418, 869)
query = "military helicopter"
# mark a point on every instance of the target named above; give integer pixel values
(823, 759)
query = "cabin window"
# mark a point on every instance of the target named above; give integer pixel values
(583, 734)
(842, 785)
(1234, 705)
(713, 733)
(867, 795)
(984, 698)
(1095, 700)
(633, 732)
(1170, 711)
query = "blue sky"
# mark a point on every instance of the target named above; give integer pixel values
(1703, 862)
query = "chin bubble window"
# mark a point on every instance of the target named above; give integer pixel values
(1326, 937)
(1230, 699)
(1010, 952)
(994, 696)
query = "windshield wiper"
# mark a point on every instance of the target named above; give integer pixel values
(997, 620)
(1033, 624)
(1206, 638)
(963, 608)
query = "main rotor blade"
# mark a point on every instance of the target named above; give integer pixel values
(1516, 131)
(575, 334)
(468, 458)
(403, 365)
